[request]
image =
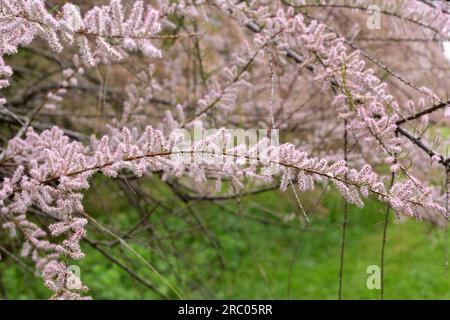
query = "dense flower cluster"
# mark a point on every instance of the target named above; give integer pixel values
(429, 15)
(47, 169)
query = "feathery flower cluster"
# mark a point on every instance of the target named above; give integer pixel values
(224, 96)
(138, 95)
(45, 254)
(64, 284)
(429, 16)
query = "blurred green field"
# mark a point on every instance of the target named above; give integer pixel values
(258, 256)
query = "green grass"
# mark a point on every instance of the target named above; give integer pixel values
(258, 256)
